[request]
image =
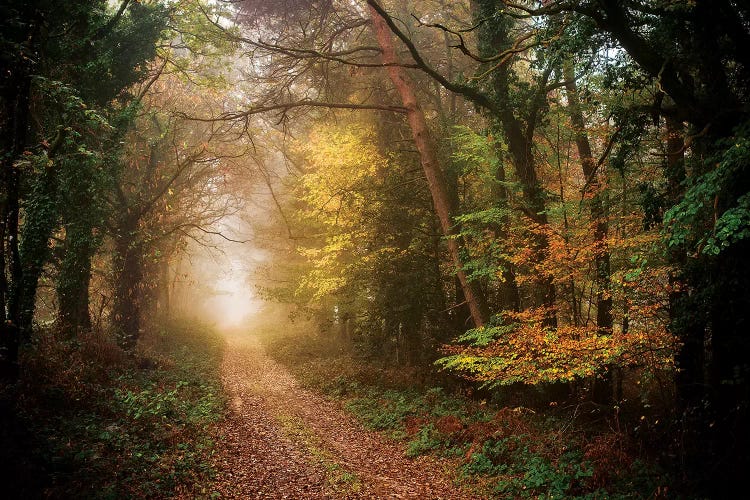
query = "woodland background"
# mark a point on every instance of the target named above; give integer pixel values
(540, 205)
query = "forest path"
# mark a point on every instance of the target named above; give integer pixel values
(282, 441)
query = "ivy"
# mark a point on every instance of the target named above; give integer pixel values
(697, 222)
(732, 227)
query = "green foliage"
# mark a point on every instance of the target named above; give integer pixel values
(697, 221)
(484, 218)
(482, 337)
(494, 456)
(118, 428)
(731, 227)
(475, 153)
(426, 440)
(490, 254)
(80, 59)
(103, 58)
(200, 42)
(389, 409)
(556, 480)
(523, 473)
(384, 410)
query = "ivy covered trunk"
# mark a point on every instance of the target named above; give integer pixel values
(75, 277)
(493, 38)
(42, 219)
(128, 286)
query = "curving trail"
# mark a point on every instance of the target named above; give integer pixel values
(282, 441)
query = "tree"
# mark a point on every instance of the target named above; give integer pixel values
(670, 51)
(365, 226)
(174, 186)
(430, 164)
(69, 63)
(684, 56)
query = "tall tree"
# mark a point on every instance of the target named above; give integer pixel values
(430, 164)
(173, 186)
(71, 63)
(497, 100)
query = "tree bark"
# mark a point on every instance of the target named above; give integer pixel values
(15, 125)
(164, 302)
(509, 295)
(430, 164)
(598, 210)
(128, 264)
(75, 277)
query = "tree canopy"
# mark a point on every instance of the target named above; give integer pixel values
(548, 194)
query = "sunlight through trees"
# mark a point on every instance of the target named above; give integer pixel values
(544, 202)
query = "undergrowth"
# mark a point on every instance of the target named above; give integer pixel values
(96, 423)
(503, 452)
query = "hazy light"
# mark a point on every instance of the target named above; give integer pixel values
(235, 300)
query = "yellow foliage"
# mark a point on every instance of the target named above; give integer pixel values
(342, 164)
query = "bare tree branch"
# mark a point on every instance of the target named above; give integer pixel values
(469, 92)
(305, 103)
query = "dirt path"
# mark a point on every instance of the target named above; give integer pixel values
(282, 441)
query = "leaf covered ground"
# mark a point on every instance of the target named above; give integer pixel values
(283, 441)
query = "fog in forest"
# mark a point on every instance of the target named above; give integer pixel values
(374, 249)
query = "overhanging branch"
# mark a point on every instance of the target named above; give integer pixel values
(470, 93)
(238, 115)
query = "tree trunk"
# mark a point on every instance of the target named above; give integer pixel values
(411, 341)
(509, 296)
(430, 164)
(520, 147)
(493, 37)
(128, 289)
(603, 387)
(598, 210)
(41, 221)
(690, 358)
(75, 277)
(15, 125)
(15, 96)
(163, 293)
(460, 312)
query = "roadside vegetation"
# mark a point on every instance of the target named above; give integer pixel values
(96, 423)
(494, 446)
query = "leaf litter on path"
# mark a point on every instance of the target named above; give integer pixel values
(282, 441)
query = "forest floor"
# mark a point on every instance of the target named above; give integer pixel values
(283, 441)
(287, 412)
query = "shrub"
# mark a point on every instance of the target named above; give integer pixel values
(110, 425)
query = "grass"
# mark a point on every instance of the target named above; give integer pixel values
(503, 452)
(99, 424)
